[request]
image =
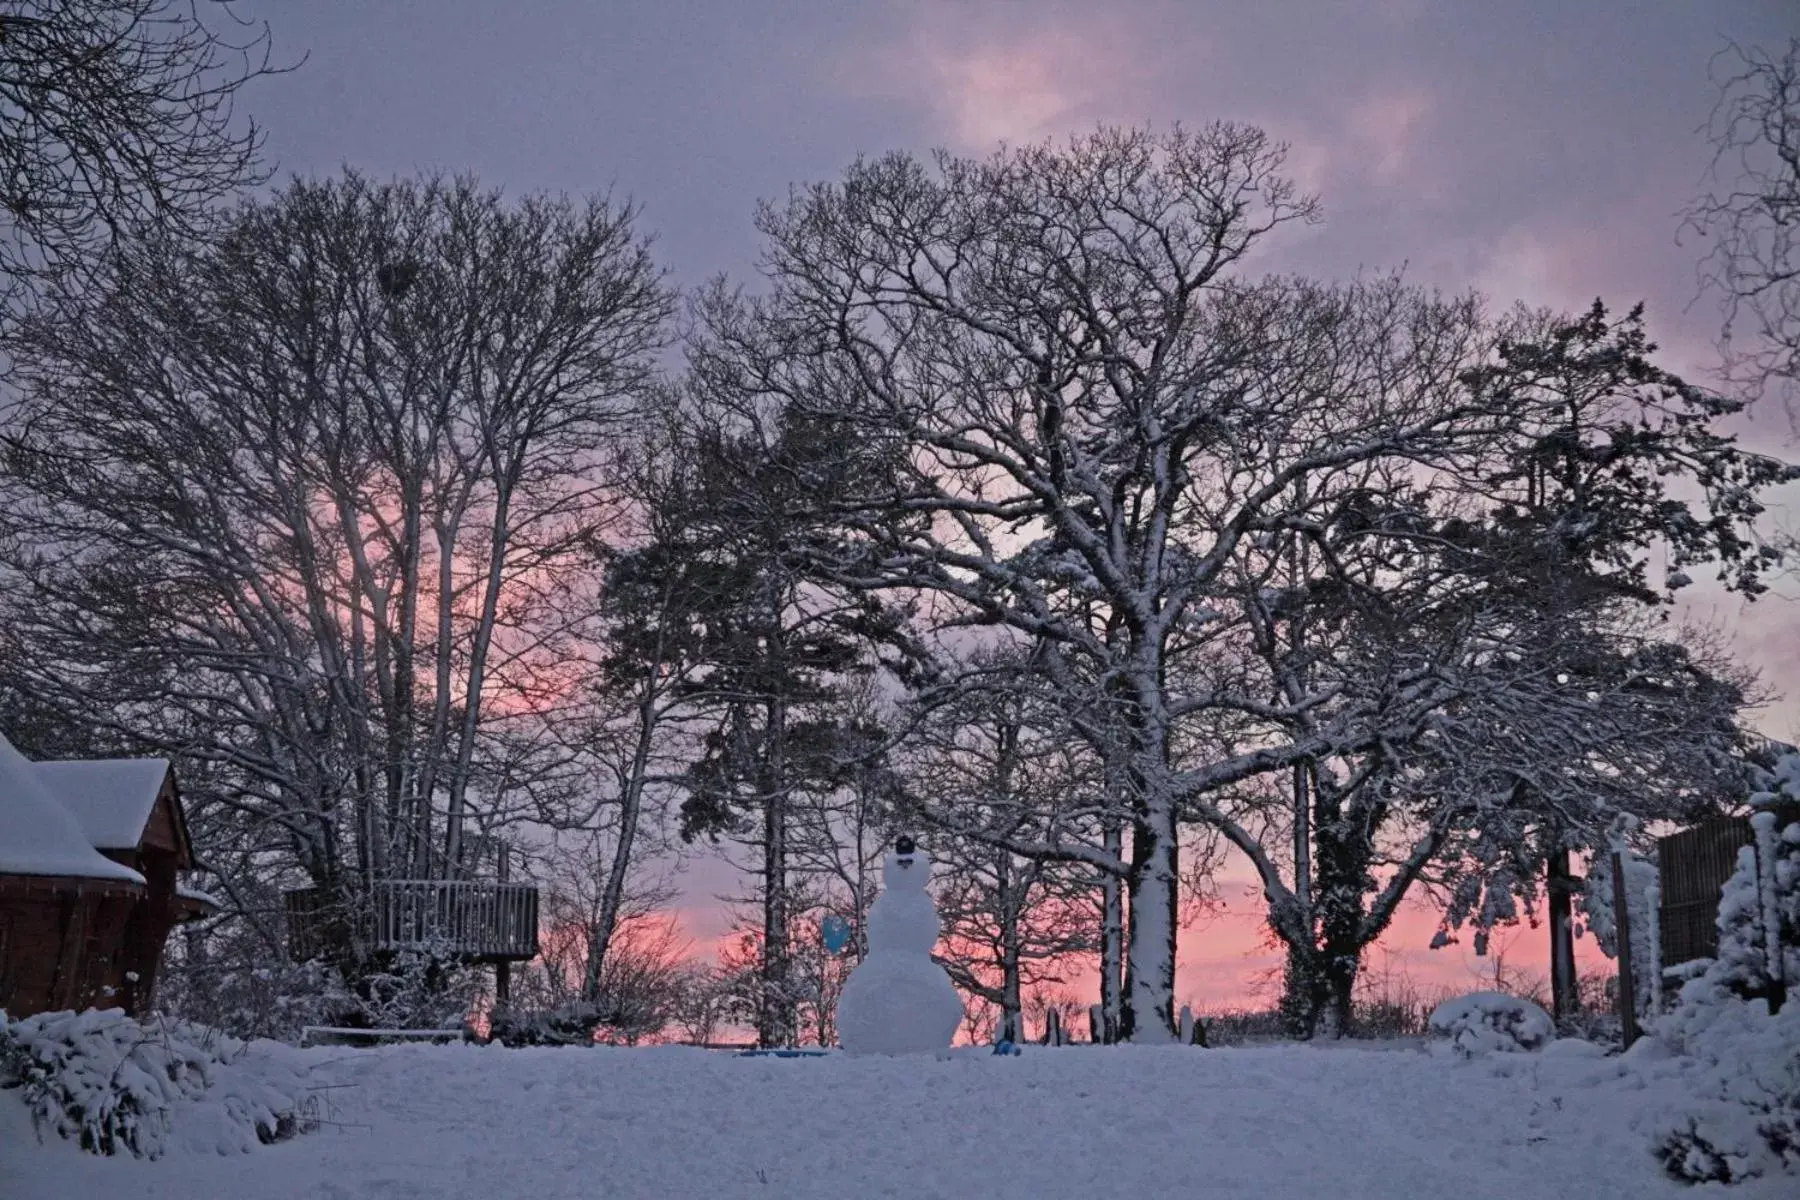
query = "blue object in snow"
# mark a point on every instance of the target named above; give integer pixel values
(1005, 1048)
(782, 1053)
(834, 931)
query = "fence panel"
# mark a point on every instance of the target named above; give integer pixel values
(1694, 865)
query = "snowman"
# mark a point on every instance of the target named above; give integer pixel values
(898, 1001)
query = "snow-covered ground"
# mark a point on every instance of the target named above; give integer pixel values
(1345, 1121)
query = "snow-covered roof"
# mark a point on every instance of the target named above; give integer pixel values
(38, 836)
(111, 798)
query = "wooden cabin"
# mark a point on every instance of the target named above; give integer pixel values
(90, 855)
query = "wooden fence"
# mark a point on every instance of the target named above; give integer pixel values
(1694, 865)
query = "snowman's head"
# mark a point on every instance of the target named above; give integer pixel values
(907, 868)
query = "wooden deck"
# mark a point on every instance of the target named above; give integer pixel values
(472, 919)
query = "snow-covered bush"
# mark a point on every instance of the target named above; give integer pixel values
(1489, 1022)
(1744, 1118)
(227, 978)
(113, 1085)
(249, 1000)
(572, 1024)
(415, 989)
(278, 1000)
(1737, 1019)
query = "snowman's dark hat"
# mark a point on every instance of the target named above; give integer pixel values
(904, 845)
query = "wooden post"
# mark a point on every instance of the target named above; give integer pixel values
(502, 985)
(1622, 931)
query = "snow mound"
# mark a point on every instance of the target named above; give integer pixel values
(111, 1084)
(1491, 1022)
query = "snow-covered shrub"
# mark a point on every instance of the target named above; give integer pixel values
(1489, 1022)
(112, 1084)
(414, 989)
(248, 999)
(1744, 1118)
(410, 990)
(572, 1024)
(1731, 1018)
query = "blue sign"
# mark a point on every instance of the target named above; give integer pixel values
(834, 931)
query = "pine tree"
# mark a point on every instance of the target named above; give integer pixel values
(773, 648)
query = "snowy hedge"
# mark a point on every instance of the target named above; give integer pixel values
(112, 1084)
(1489, 1022)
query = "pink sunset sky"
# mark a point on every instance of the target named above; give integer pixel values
(1538, 150)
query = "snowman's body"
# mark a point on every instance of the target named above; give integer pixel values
(898, 1001)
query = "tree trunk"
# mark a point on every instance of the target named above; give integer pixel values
(1011, 1007)
(1340, 970)
(775, 1017)
(612, 897)
(1565, 997)
(1318, 996)
(1112, 937)
(1148, 1012)
(1302, 997)
(480, 642)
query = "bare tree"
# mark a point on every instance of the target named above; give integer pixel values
(1525, 580)
(1075, 423)
(314, 505)
(1752, 219)
(702, 1002)
(117, 117)
(1069, 416)
(645, 697)
(642, 991)
(988, 778)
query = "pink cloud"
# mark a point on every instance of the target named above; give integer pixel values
(988, 84)
(1387, 125)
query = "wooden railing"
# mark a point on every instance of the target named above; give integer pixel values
(467, 918)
